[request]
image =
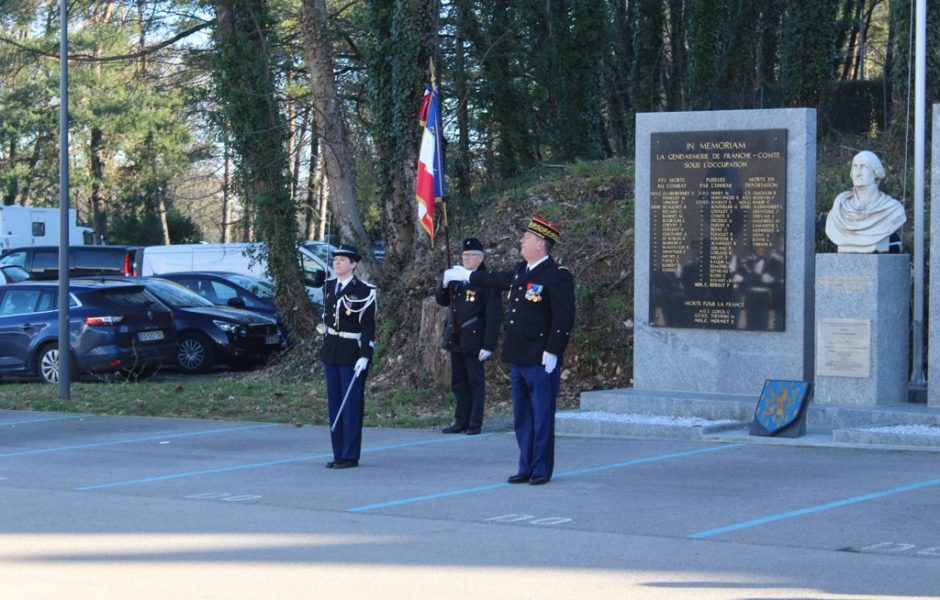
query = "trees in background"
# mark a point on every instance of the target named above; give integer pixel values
(324, 136)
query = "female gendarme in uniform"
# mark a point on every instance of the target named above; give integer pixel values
(348, 328)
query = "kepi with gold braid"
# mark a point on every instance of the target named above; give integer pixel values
(544, 229)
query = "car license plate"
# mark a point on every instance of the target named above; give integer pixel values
(272, 339)
(150, 336)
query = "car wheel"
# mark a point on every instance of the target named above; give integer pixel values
(194, 353)
(47, 364)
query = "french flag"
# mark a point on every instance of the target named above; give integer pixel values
(430, 181)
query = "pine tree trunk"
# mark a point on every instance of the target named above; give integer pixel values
(330, 127)
(247, 91)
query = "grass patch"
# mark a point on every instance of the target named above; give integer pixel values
(234, 399)
(217, 398)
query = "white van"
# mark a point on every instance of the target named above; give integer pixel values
(35, 226)
(233, 258)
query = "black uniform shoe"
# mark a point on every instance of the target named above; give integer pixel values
(473, 430)
(455, 428)
(345, 464)
(520, 478)
(538, 480)
(330, 464)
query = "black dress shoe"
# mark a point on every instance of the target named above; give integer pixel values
(345, 464)
(538, 480)
(455, 428)
(519, 478)
(330, 464)
(473, 430)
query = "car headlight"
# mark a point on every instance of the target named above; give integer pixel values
(229, 327)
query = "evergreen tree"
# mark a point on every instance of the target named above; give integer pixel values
(246, 88)
(648, 67)
(707, 37)
(807, 50)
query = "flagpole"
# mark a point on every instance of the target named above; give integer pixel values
(439, 150)
(920, 121)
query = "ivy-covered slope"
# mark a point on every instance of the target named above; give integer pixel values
(593, 205)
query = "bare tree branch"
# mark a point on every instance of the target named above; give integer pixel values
(122, 57)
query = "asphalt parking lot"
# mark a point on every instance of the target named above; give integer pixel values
(127, 507)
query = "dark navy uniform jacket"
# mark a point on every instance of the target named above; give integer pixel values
(476, 313)
(540, 314)
(355, 314)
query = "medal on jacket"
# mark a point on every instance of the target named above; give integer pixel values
(347, 302)
(533, 292)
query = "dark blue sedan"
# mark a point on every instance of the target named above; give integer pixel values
(210, 335)
(112, 329)
(230, 289)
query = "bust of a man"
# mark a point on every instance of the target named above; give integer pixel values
(862, 219)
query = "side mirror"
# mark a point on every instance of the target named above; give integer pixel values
(315, 278)
(235, 302)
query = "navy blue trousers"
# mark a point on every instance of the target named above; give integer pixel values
(533, 413)
(347, 437)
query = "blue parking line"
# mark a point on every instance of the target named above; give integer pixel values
(165, 436)
(574, 473)
(268, 463)
(815, 509)
(42, 420)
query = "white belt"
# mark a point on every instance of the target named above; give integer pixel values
(344, 334)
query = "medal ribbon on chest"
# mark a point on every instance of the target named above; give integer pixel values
(533, 292)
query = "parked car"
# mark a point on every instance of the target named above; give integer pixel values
(42, 262)
(230, 289)
(322, 250)
(13, 273)
(244, 258)
(112, 328)
(209, 335)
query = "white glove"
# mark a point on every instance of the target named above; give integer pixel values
(550, 361)
(485, 354)
(456, 273)
(361, 366)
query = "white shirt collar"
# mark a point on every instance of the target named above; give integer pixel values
(343, 282)
(537, 263)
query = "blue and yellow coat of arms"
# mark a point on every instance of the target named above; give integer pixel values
(781, 409)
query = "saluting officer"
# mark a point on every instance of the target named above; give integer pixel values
(474, 324)
(349, 328)
(540, 319)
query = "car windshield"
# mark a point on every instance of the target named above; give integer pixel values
(175, 295)
(15, 273)
(259, 288)
(321, 250)
(124, 298)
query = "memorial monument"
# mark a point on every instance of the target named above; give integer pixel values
(863, 296)
(725, 224)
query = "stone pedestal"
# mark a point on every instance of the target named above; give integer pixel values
(862, 328)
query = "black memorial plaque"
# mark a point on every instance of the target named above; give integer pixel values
(717, 229)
